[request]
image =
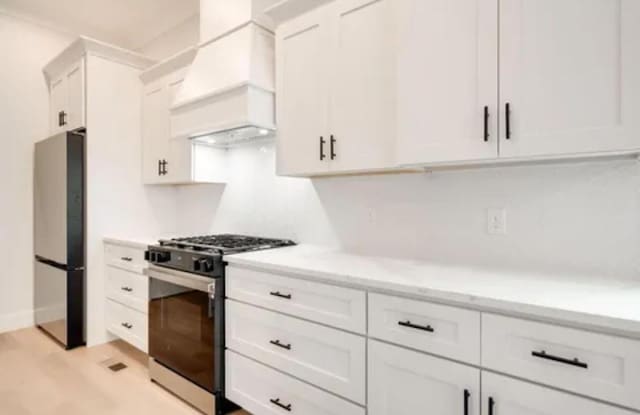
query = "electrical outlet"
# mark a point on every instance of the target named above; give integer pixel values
(497, 221)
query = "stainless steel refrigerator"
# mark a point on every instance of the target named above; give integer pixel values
(59, 205)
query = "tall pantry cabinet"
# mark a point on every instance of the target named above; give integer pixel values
(97, 86)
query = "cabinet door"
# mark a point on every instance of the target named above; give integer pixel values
(75, 106)
(363, 101)
(447, 74)
(155, 131)
(404, 382)
(302, 94)
(179, 156)
(570, 72)
(57, 103)
(506, 396)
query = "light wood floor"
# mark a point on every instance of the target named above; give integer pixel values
(37, 377)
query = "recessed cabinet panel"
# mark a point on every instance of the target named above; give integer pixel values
(362, 64)
(570, 72)
(404, 382)
(506, 396)
(75, 96)
(155, 131)
(303, 95)
(447, 75)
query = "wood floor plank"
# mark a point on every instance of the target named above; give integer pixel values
(40, 378)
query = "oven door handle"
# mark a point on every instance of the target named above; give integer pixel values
(184, 279)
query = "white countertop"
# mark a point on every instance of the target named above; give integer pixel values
(139, 242)
(604, 304)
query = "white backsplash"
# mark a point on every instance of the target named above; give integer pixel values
(576, 217)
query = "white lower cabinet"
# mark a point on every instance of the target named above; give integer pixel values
(328, 358)
(264, 391)
(506, 396)
(404, 382)
(127, 294)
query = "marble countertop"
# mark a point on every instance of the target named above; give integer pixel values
(139, 242)
(604, 304)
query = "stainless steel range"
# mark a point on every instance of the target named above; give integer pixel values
(186, 314)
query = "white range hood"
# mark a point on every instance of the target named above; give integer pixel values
(228, 94)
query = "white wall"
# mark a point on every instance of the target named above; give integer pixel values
(576, 218)
(24, 119)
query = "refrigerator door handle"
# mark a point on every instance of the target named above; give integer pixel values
(57, 264)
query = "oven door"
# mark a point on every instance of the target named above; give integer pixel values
(181, 324)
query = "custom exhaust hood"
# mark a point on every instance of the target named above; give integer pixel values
(228, 94)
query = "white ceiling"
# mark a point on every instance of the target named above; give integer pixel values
(126, 23)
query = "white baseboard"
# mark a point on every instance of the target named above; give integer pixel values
(15, 321)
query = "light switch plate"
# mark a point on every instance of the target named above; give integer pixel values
(497, 221)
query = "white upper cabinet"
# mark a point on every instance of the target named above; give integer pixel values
(362, 66)
(335, 89)
(447, 81)
(67, 99)
(404, 382)
(506, 396)
(167, 160)
(302, 95)
(570, 73)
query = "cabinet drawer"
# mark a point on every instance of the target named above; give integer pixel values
(597, 365)
(125, 257)
(344, 308)
(264, 391)
(128, 324)
(128, 288)
(328, 358)
(447, 331)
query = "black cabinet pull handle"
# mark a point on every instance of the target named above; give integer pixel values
(486, 124)
(127, 289)
(127, 326)
(279, 294)
(573, 362)
(159, 167)
(492, 404)
(322, 156)
(164, 164)
(279, 344)
(281, 405)
(332, 147)
(409, 324)
(467, 395)
(59, 118)
(126, 259)
(507, 113)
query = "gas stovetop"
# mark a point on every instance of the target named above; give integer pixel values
(225, 243)
(203, 254)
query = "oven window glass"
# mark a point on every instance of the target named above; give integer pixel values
(181, 332)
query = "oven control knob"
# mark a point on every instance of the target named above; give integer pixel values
(163, 257)
(206, 265)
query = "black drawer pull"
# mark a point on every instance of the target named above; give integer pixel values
(507, 113)
(126, 259)
(467, 395)
(281, 405)
(322, 156)
(127, 326)
(492, 404)
(279, 294)
(415, 326)
(127, 289)
(486, 124)
(279, 344)
(573, 362)
(333, 152)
